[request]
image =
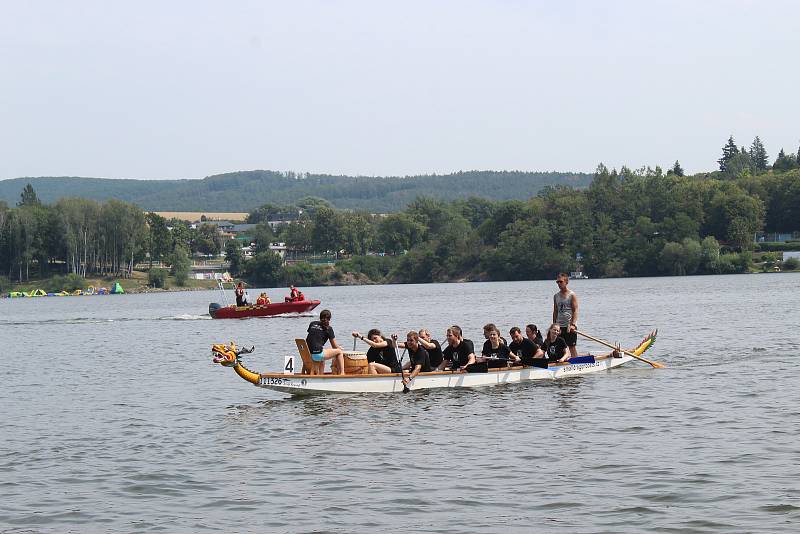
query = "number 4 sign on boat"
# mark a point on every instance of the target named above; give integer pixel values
(289, 366)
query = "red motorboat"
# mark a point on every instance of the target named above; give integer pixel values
(217, 311)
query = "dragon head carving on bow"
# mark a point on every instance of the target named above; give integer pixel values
(228, 355)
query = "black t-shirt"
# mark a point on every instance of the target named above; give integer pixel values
(385, 356)
(460, 354)
(501, 351)
(435, 354)
(318, 335)
(420, 357)
(524, 349)
(556, 349)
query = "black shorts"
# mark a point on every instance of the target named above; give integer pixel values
(570, 337)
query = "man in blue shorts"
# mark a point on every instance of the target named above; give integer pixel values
(320, 332)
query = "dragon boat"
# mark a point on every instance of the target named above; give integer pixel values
(303, 383)
(217, 311)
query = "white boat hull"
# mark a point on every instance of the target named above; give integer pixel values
(296, 384)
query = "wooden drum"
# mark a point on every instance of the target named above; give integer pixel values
(355, 363)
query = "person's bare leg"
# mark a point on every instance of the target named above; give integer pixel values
(337, 355)
(573, 351)
(379, 369)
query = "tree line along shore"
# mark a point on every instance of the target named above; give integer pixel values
(627, 222)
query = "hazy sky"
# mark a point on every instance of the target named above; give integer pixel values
(186, 89)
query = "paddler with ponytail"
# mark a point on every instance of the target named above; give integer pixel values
(565, 313)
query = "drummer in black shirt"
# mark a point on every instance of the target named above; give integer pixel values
(459, 352)
(320, 332)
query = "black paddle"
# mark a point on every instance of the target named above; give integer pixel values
(406, 389)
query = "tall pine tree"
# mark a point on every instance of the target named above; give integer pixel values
(783, 162)
(758, 155)
(28, 197)
(676, 170)
(728, 152)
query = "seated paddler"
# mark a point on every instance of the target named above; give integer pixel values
(523, 350)
(431, 345)
(320, 332)
(554, 346)
(495, 353)
(381, 355)
(459, 352)
(419, 360)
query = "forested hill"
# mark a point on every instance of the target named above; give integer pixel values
(247, 190)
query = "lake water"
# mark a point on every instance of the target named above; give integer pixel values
(114, 419)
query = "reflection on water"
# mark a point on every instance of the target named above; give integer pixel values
(114, 419)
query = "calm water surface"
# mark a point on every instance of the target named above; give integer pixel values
(114, 419)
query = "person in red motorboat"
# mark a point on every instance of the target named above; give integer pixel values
(293, 294)
(239, 292)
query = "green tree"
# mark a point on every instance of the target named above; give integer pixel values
(739, 166)
(328, 230)
(679, 227)
(735, 216)
(262, 213)
(181, 235)
(784, 162)
(159, 242)
(304, 274)
(358, 232)
(419, 266)
(234, 257)
(28, 197)
(523, 253)
(265, 269)
(298, 235)
(709, 254)
(681, 258)
(728, 152)
(180, 265)
(157, 277)
(208, 240)
(783, 203)
(430, 213)
(676, 170)
(262, 236)
(398, 232)
(758, 155)
(311, 204)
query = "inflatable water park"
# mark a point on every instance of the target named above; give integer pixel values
(116, 289)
